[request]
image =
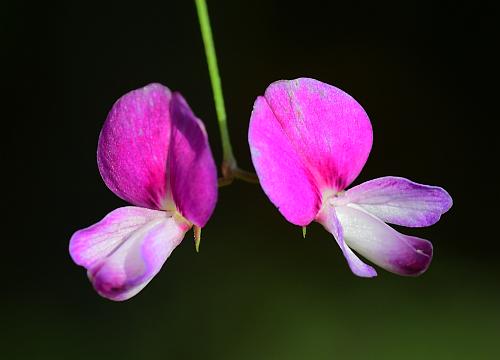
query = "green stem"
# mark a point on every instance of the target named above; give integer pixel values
(208, 41)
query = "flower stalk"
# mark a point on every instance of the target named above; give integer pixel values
(230, 169)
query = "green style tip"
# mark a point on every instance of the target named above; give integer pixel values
(197, 238)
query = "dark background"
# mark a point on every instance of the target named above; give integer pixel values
(422, 70)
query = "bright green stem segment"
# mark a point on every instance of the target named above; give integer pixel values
(208, 41)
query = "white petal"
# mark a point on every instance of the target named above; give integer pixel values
(381, 244)
(328, 218)
(125, 250)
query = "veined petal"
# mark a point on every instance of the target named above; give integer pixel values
(126, 249)
(328, 218)
(381, 244)
(400, 201)
(282, 174)
(133, 146)
(192, 170)
(89, 246)
(329, 130)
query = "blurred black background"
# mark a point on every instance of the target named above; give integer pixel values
(424, 72)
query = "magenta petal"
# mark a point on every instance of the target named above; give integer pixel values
(329, 131)
(126, 249)
(381, 244)
(329, 220)
(282, 174)
(133, 145)
(400, 201)
(193, 174)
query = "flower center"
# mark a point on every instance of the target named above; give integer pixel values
(172, 211)
(332, 198)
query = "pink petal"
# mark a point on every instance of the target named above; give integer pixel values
(193, 174)
(133, 145)
(329, 220)
(400, 201)
(126, 249)
(283, 175)
(329, 131)
(384, 246)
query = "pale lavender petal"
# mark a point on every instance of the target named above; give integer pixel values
(329, 130)
(282, 173)
(381, 244)
(133, 145)
(192, 170)
(400, 201)
(328, 218)
(89, 246)
(133, 265)
(126, 249)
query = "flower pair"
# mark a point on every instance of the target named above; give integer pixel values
(308, 140)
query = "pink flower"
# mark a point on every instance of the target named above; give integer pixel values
(153, 152)
(309, 141)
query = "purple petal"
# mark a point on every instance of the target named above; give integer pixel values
(400, 201)
(133, 145)
(282, 174)
(193, 174)
(328, 130)
(329, 220)
(381, 244)
(126, 249)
